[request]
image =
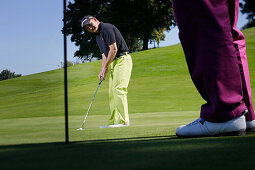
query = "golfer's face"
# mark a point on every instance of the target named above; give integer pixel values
(92, 26)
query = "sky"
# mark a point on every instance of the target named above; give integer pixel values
(31, 40)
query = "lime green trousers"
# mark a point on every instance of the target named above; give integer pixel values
(120, 73)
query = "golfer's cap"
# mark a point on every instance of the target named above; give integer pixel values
(85, 20)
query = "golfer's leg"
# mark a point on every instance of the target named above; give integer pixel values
(206, 37)
(121, 77)
(246, 85)
(240, 45)
(113, 117)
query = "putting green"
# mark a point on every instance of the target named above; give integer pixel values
(51, 129)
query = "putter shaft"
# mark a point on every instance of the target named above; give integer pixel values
(91, 104)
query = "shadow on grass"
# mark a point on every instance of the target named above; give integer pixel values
(158, 152)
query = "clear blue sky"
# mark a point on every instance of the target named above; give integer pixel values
(31, 39)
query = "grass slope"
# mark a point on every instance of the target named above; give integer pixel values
(160, 82)
(161, 97)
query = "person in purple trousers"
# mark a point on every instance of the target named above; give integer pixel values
(215, 52)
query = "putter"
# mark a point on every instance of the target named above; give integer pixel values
(89, 107)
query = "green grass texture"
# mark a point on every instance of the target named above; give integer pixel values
(161, 97)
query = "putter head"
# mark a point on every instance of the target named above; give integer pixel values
(80, 129)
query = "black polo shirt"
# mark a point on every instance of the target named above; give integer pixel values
(107, 35)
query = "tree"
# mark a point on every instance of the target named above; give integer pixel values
(85, 40)
(136, 20)
(157, 36)
(248, 7)
(141, 17)
(7, 74)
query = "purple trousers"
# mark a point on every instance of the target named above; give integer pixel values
(215, 52)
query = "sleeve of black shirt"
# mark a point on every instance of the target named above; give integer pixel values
(109, 36)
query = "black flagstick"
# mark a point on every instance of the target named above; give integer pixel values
(65, 76)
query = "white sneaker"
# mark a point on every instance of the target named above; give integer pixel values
(105, 126)
(115, 125)
(201, 127)
(250, 126)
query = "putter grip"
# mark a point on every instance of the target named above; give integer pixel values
(100, 81)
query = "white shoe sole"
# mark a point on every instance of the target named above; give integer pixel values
(234, 133)
(114, 126)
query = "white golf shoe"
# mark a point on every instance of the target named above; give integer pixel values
(250, 126)
(201, 127)
(115, 125)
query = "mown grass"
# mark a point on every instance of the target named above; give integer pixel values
(160, 82)
(161, 152)
(51, 129)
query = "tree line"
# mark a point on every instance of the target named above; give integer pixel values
(139, 21)
(7, 74)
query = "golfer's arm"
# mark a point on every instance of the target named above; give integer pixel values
(103, 61)
(111, 55)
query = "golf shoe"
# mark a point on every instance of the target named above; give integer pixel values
(201, 127)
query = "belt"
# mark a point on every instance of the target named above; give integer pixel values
(121, 54)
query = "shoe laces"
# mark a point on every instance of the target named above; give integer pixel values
(199, 120)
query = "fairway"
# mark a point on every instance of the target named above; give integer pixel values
(161, 97)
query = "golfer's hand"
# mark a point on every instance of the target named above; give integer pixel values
(102, 74)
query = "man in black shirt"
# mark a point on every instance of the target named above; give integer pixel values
(116, 59)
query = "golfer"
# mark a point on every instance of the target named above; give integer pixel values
(215, 52)
(117, 60)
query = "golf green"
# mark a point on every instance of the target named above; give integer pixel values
(51, 129)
